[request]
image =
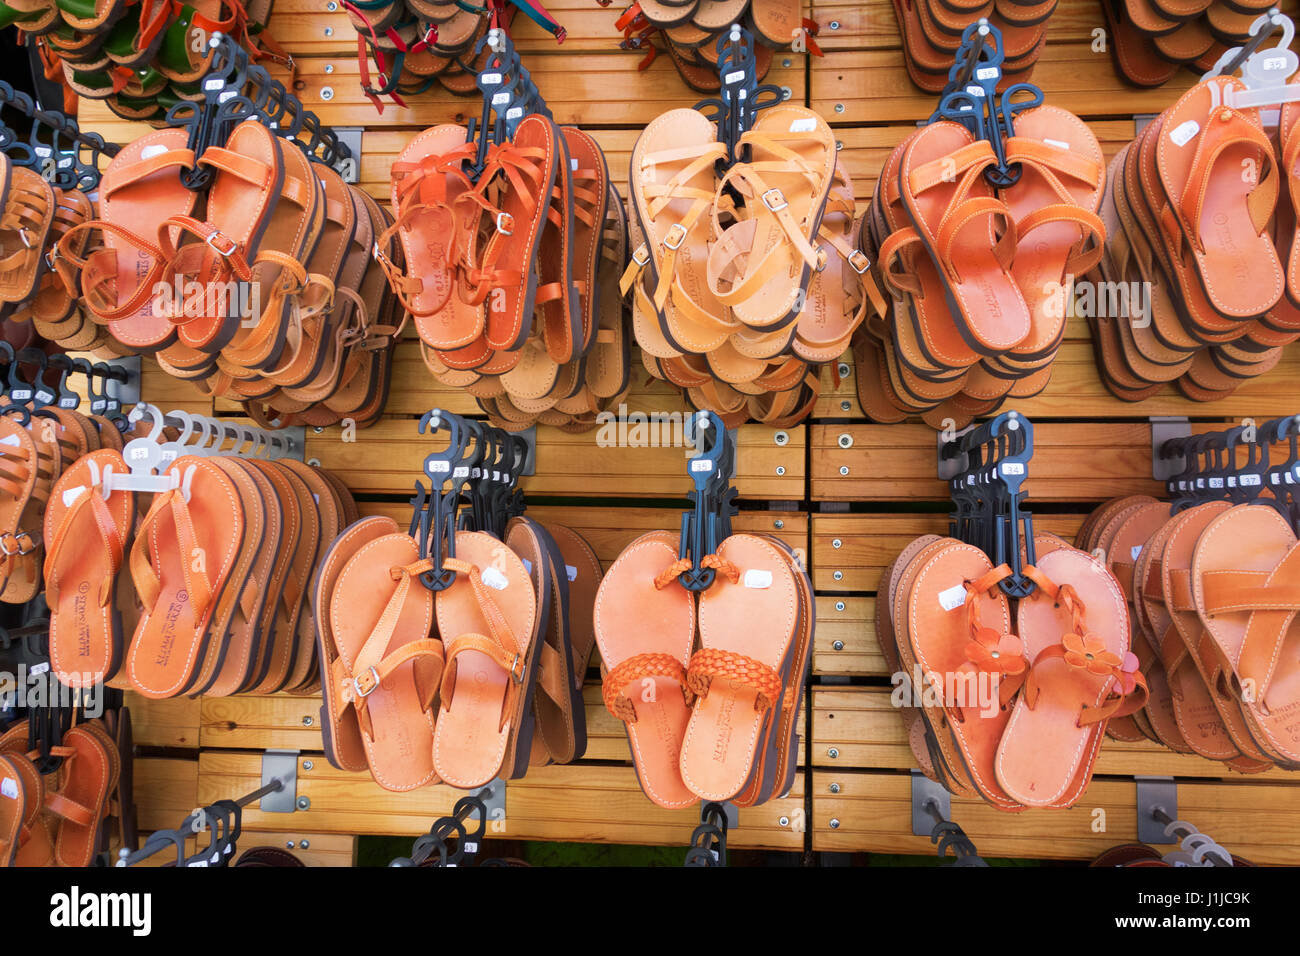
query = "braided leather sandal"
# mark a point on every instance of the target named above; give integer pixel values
(28, 204)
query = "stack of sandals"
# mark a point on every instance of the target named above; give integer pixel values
(171, 272)
(479, 680)
(978, 276)
(57, 817)
(932, 34)
(511, 279)
(690, 31)
(708, 683)
(1200, 212)
(1012, 702)
(34, 216)
(140, 57)
(1153, 39)
(1210, 589)
(201, 589)
(744, 278)
(419, 44)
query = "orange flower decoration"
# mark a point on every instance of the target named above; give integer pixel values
(996, 653)
(1089, 651)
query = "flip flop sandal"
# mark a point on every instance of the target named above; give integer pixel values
(230, 636)
(385, 677)
(608, 361)
(91, 17)
(497, 267)
(1238, 267)
(1182, 10)
(673, 187)
(1136, 58)
(664, 15)
(1073, 687)
(786, 188)
(426, 183)
(557, 297)
(869, 382)
(775, 22)
(52, 302)
(195, 543)
(643, 669)
(558, 711)
(485, 725)
(29, 466)
(1211, 722)
(1147, 18)
(583, 572)
(1024, 15)
(943, 189)
(331, 516)
(248, 180)
(177, 58)
(85, 630)
(1185, 45)
(282, 280)
(28, 215)
(87, 778)
(1055, 203)
(22, 800)
(1240, 576)
(592, 193)
(714, 16)
(971, 638)
(1159, 711)
(740, 674)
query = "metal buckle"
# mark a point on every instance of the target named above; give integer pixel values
(356, 684)
(859, 262)
(212, 244)
(516, 666)
(505, 224)
(642, 255)
(4, 545)
(30, 542)
(774, 200)
(676, 232)
(379, 256)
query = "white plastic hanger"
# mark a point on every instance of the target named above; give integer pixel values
(1266, 72)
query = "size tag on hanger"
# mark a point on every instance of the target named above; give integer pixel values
(953, 598)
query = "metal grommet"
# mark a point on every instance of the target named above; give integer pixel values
(784, 821)
(837, 544)
(780, 469)
(839, 107)
(835, 824)
(327, 93)
(786, 93)
(839, 605)
(329, 31)
(844, 470)
(845, 406)
(308, 721)
(778, 524)
(835, 24)
(781, 438)
(329, 67)
(838, 645)
(838, 575)
(787, 62)
(844, 369)
(835, 788)
(314, 462)
(833, 753)
(307, 765)
(845, 440)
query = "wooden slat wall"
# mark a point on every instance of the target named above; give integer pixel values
(1091, 446)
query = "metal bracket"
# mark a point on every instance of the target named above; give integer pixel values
(1153, 792)
(128, 392)
(297, 438)
(530, 436)
(281, 765)
(350, 136)
(494, 800)
(1164, 428)
(1141, 121)
(924, 791)
(950, 468)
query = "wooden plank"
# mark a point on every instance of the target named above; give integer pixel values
(863, 729)
(873, 812)
(584, 465)
(164, 723)
(314, 849)
(844, 644)
(869, 542)
(166, 791)
(586, 803)
(873, 86)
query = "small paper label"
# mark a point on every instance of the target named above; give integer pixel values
(571, 571)
(36, 670)
(573, 164)
(1059, 144)
(514, 112)
(21, 394)
(438, 467)
(490, 79)
(72, 494)
(9, 788)
(735, 76)
(470, 846)
(954, 597)
(500, 99)
(214, 84)
(1216, 482)
(758, 578)
(1184, 133)
(1273, 63)
(987, 73)
(1134, 551)
(461, 472)
(42, 151)
(229, 94)
(976, 91)
(1013, 468)
(495, 579)
(1250, 481)
(701, 464)
(806, 124)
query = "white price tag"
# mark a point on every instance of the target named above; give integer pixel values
(758, 578)
(953, 598)
(495, 579)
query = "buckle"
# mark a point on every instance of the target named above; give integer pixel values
(641, 255)
(31, 543)
(517, 665)
(774, 200)
(859, 261)
(356, 684)
(675, 237)
(212, 244)
(505, 224)
(4, 545)
(379, 256)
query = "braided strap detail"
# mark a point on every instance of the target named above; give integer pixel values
(671, 573)
(636, 669)
(736, 668)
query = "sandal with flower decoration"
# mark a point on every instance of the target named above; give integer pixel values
(1077, 636)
